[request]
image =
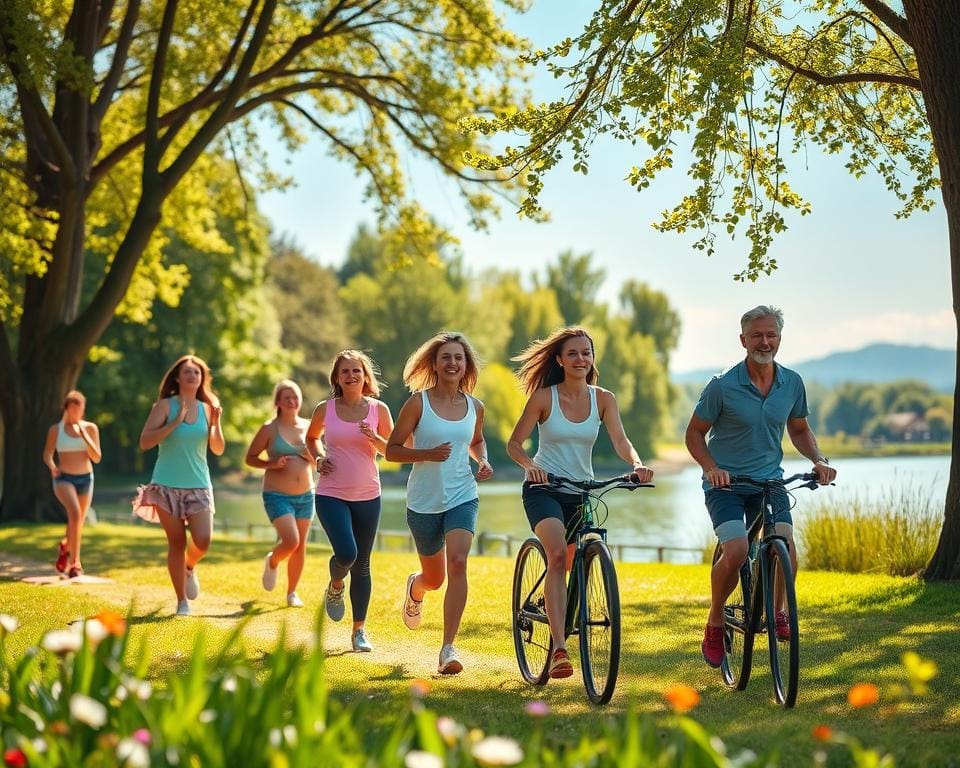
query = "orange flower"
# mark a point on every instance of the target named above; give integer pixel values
(419, 688)
(681, 697)
(863, 695)
(113, 622)
(822, 733)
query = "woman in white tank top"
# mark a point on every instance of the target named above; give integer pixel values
(559, 376)
(439, 429)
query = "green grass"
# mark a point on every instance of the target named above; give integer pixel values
(854, 628)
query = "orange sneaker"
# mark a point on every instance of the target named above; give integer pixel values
(63, 557)
(560, 665)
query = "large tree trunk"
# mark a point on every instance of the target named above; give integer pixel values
(935, 29)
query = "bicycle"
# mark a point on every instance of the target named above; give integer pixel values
(593, 596)
(751, 607)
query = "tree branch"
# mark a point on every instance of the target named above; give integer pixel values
(112, 80)
(893, 20)
(151, 152)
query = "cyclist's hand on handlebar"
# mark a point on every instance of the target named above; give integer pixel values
(718, 478)
(825, 473)
(536, 475)
(641, 474)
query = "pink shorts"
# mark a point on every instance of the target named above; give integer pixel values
(182, 503)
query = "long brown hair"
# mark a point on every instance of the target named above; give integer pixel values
(418, 373)
(205, 393)
(371, 384)
(538, 362)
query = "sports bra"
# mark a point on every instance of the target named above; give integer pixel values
(66, 443)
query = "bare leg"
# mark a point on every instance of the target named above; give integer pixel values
(432, 571)
(457, 546)
(176, 544)
(66, 494)
(201, 531)
(289, 536)
(724, 576)
(298, 556)
(553, 537)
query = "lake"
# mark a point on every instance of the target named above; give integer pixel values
(672, 514)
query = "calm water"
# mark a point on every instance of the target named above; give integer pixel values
(672, 514)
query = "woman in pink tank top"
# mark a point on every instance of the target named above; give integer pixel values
(353, 427)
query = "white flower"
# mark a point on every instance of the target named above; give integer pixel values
(230, 684)
(87, 710)
(62, 641)
(419, 759)
(121, 693)
(8, 623)
(143, 689)
(56, 689)
(450, 730)
(207, 716)
(95, 631)
(497, 750)
(276, 738)
(290, 735)
(39, 745)
(132, 754)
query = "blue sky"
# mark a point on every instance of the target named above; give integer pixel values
(850, 273)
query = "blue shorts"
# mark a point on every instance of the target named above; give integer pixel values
(429, 530)
(83, 483)
(541, 502)
(277, 504)
(731, 507)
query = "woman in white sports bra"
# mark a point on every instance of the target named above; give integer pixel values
(565, 404)
(77, 445)
(445, 423)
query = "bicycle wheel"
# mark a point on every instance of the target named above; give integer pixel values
(531, 633)
(738, 630)
(784, 653)
(599, 623)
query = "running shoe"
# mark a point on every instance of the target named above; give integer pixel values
(293, 601)
(411, 608)
(269, 574)
(333, 602)
(361, 643)
(192, 584)
(560, 664)
(63, 557)
(183, 608)
(782, 622)
(712, 645)
(450, 663)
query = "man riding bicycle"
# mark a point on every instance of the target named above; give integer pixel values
(737, 429)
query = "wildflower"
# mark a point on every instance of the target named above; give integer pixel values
(418, 759)
(681, 697)
(207, 716)
(497, 750)
(143, 736)
(863, 695)
(419, 688)
(95, 631)
(537, 708)
(59, 728)
(132, 754)
(112, 621)
(920, 671)
(88, 711)
(230, 684)
(822, 732)
(8, 624)
(14, 758)
(62, 641)
(290, 735)
(450, 730)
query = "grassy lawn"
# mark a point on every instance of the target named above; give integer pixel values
(854, 629)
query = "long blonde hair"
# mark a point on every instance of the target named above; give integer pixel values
(282, 385)
(538, 362)
(170, 386)
(371, 384)
(419, 374)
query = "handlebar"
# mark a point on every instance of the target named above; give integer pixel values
(809, 481)
(621, 481)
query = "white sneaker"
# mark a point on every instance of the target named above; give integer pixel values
(450, 663)
(333, 602)
(183, 608)
(361, 643)
(293, 601)
(193, 584)
(411, 608)
(269, 574)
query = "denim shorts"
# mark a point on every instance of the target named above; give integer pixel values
(540, 502)
(429, 530)
(731, 507)
(277, 504)
(83, 483)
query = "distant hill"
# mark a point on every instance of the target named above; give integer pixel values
(876, 363)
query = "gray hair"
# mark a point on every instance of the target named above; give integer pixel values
(763, 310)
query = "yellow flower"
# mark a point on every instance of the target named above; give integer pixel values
(863, 695)
(920, 671)
(681, 697)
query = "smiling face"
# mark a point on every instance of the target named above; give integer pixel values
(450, 362)
(288, 399)
(761, 339)
(189, 376)
(350, 374)
(576, 357)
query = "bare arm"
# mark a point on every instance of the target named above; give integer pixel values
(257, 446)
(384, 428)
(155, 429)
(91, 436)
(696, 440)
(805, 441)
(407, 420)
(215, 439)
(610, 414)
(533, 413)
(478, 446)
(312, 440)
(48, 449)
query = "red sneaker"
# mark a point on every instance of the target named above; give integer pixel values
(76, 570)
(712, 645)
(63, 557)
(783, 625)
(560, 665)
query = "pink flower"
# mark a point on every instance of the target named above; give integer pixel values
(142, 735)
(537, 708)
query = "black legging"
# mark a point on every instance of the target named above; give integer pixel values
(351, 527)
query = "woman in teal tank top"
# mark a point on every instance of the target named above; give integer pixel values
(184, 422)
(567, 407)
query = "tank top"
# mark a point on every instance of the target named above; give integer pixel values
(279, 446)
(566, 447)
(355, 475)
(182, 460)
(437, 486)
(66, 443)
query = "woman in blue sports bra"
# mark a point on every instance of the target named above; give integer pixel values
(287, 486)
(184, 422)
(567, 407)
(77, 445)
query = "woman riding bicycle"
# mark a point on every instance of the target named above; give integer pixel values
(559, 375)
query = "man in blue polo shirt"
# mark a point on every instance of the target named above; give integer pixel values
(737, 429)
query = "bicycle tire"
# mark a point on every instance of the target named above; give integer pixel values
(738, 634)
(784, 654)
(599, 623)
(531, 633)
